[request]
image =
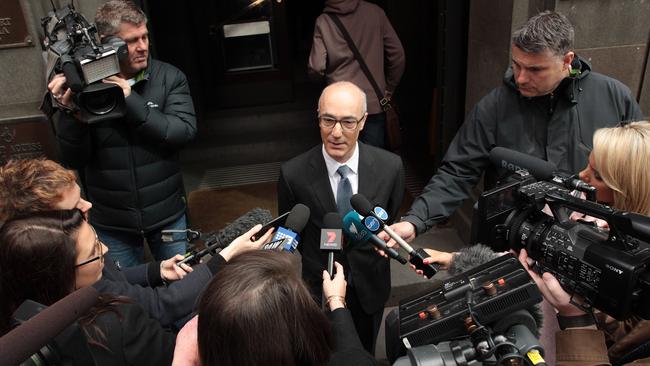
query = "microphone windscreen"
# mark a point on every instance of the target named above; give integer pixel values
(470, 257)
(353, 228)
(242, 224)
(332, 220)
(361, 204)
(297, 218)
(514, 160)
(29, 337)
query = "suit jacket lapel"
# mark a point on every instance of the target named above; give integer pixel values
(320, 183)
(368, 179)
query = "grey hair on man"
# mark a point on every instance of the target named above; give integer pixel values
(547, 30)
(113, 13)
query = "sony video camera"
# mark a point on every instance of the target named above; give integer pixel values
(74, 49)
(480, 316)
(600, 268)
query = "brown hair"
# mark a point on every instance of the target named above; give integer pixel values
(34, 185)
(258, 311)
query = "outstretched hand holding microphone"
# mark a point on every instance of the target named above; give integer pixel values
(374, 220)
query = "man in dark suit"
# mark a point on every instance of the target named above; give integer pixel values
(316, 179)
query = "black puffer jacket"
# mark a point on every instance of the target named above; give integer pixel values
(129, 166)
(557, 127)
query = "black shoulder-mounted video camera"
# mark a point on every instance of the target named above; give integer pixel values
(482, 315)
(600, 268)
(74, 49)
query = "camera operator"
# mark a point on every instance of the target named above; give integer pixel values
(549, 105)
(617, 168)
(128, 165)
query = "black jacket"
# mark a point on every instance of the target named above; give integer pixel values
(167, 304)
(558, 127)
(348, 349)
(127, 336)
(129, 166)
(304, 179)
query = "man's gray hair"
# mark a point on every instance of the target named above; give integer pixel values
(547, 30)
(364, 99)
(113, 13)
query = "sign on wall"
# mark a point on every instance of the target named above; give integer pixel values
(13, 27)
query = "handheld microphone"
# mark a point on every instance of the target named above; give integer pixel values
(538, 168)
(375, 220)
(353, 228)
(226, 235)
(296, 221)
(330, 238)
(30, 336)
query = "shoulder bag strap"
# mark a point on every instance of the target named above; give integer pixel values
(362, 63)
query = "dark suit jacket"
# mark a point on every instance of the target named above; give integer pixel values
(304, 179)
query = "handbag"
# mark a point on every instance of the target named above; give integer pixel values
(392, 127)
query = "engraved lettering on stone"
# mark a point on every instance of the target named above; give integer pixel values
(7, 134)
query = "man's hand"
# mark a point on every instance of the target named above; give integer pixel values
(60, 92)
(122, 83)
(334, 288)
(404, 229)
(171, 271)
(244, 243)
(551, 289)
(186, 352)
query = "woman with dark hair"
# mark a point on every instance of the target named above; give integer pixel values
(48, 255)
(258, 311)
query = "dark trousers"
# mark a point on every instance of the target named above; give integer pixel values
(367, 325)
(374, 130)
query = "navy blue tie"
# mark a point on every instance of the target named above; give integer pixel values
(344, 191)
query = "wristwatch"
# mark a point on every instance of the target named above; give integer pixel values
(575, 321)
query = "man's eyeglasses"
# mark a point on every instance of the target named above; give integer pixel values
(347, 124)
(98, 249)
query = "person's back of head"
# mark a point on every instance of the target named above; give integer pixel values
(32, 185)
(621, 155)
(545, 31)
(258, 311)
(37, 260)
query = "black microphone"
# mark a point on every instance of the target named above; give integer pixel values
(289, 234)
(29, 337)
(225, 236)
(540, 169)
(330, 237)
(364, 207)
(353, 228)
(514, 160)
(73, 79)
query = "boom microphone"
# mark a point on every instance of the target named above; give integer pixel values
(29, 337)
(330, 238)
(375, 218)
(353, 228)
(514, 160)
(538, 168)
(296, 221)
(225, 236)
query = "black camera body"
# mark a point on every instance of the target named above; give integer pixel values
(480, 315)
(600, 268)
(497, 288)
(74, 49)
